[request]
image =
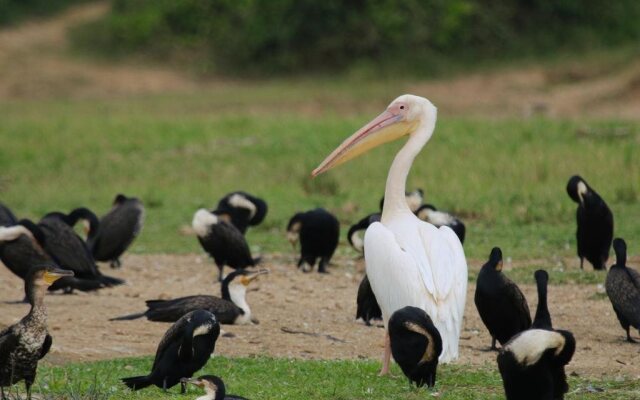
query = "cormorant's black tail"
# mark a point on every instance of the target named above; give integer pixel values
(137, 382)
(110, 281)
(257, 260)
(128, 317)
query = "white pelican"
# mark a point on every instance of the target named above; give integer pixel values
(409, 262)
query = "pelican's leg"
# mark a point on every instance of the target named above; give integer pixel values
(386, 357)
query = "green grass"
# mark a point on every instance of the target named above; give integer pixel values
(505, 178)
(267, 378)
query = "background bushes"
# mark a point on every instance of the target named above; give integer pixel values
(285, 36)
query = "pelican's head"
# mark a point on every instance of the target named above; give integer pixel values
(401, 118)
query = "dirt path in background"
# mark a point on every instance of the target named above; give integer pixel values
(313, 303)
(35, 62)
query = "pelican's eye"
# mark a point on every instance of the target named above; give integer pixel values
(402, 107)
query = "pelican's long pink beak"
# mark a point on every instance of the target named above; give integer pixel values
(384, 128)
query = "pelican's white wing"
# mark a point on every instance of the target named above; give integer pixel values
(412, 263)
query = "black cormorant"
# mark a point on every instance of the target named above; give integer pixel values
(26, 342)
(244, 209)
(595, 223)
(356, 240)
(318, 232)
(368, 307)
(542, 319)
(70, 252)
(623, 289)
(532, 364)
(430, 214)
(222, 240)
(415, 344)
(232, 308)
(183, 350)
(500, 303)
(117, 230)
(213, 387)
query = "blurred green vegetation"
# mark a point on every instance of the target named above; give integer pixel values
(14, 11)
(419, 37)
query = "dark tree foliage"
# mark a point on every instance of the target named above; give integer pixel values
(294, 35)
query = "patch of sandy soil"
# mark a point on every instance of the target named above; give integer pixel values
(35, 62)
(321, 305)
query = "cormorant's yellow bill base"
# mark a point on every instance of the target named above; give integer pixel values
(386, 127)
(53, 275)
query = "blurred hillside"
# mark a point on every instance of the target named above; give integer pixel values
(39, 59)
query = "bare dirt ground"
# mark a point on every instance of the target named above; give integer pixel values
(320, 305)
(35, 62)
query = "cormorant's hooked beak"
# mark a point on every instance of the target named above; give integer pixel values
(247, 279)
(582, 190)
(193, 381)
(53, 275)
(384, 128)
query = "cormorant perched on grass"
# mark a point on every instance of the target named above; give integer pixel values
(318, 232)
(532, 364)
(595, 223)
(542, 319)
(416, 344)
(26, 342)
(430, 214)
(500, 303)
(232, 308)
(244, 209)
(71, 252)
(353, 235)
(214, 388)
(623, 289)
(21, 247)
(368, 307)
(183, 350)
(222, 240)
(117, 230)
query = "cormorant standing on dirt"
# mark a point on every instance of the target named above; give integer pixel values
(117, 230)
(222, 240)
(183, 350)
(500, 303)
(623, 289)
(318, 232)
(595, 223)
(23, 344)
(368, 307)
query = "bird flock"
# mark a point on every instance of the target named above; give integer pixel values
(415, 281)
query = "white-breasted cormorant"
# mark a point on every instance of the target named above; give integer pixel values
(595, 223)
(23, 344)
(623, 289)
(214, 388)
(183, 350)
(414, 199)
(70, 252)
(430, 214)
(21, 247)
(117, 230)
(232, 308)
(318, 232)
(222, 240)
(356, 240)
(244, 209)
(416, 344)
(500, 303)
(368, 307)
(532, 364)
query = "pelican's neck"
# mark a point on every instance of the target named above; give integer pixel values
(394, 192)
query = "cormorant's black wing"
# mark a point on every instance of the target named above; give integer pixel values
(234, 246)
(519, 303)
(8, 342)
(117, 230)
(67, 248)
(624, 294)
(46, 346)
(172, 335)
(171, 310)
